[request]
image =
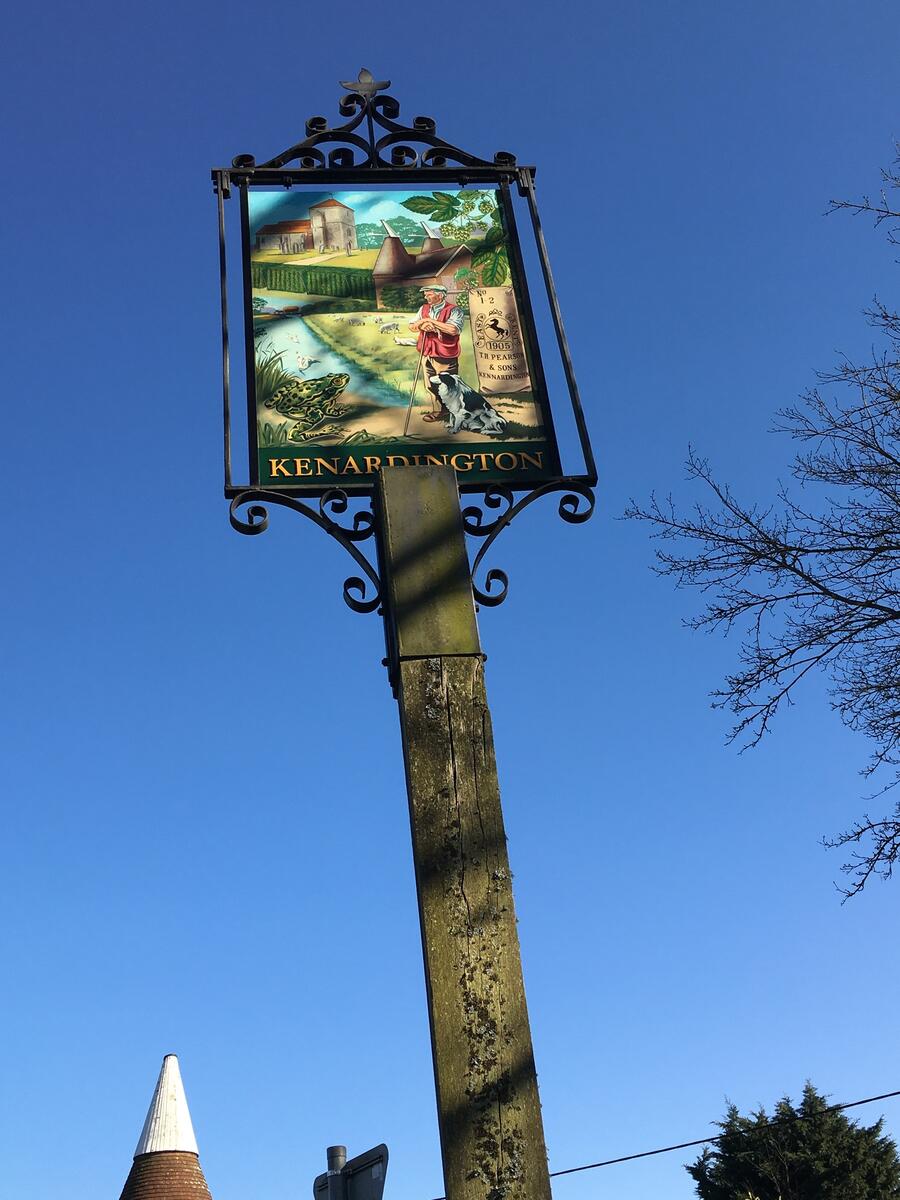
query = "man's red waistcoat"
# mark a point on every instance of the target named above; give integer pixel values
(438, 345)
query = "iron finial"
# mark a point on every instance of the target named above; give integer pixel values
(367, 85)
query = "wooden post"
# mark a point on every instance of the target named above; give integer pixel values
(492, 1138)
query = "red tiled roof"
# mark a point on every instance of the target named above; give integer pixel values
(329, 204)
(166, 1175)
(286, 227)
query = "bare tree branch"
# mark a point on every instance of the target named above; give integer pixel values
(812, 584)
(881, 209)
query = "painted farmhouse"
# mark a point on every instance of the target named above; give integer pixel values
(329, 226)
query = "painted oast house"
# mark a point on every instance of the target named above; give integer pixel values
(435, 263)
(166, 1162)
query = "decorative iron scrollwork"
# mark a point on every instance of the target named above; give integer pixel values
(332, 502)
(576, 505)
(360, 142)
(477, 523)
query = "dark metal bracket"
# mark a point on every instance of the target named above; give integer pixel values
(576, 505)
(477, 523)
(363, 527)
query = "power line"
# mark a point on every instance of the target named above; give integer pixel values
(719, 1136)
(608, 1162)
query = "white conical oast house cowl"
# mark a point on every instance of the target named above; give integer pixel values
(166, 1163)
(168, 1125)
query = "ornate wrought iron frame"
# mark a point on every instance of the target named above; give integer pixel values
(372, 146)
(532, 349)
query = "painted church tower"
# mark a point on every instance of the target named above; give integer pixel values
(166, 1162)
(333, 226)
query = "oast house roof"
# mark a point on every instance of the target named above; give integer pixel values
(166, 1163)
(396, 265)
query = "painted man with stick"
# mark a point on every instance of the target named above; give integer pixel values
(438, 325)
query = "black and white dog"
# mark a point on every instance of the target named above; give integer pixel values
(468, 409)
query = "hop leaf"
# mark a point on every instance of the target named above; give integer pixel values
(419, 204)
(493, 264)
(444, 212)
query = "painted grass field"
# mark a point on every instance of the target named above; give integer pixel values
(365, 417)
(274, 256)
(361, 259)
(368, 347)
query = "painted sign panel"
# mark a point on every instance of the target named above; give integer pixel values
(391, 327)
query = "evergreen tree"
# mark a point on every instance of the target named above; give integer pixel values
(821, 1156)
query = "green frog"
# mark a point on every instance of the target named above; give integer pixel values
(309, 402)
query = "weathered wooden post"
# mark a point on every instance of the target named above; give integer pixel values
(360, 427)
(492, 1136)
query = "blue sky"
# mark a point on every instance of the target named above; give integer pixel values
(206, 841)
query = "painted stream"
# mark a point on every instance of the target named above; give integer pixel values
(291, 337)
